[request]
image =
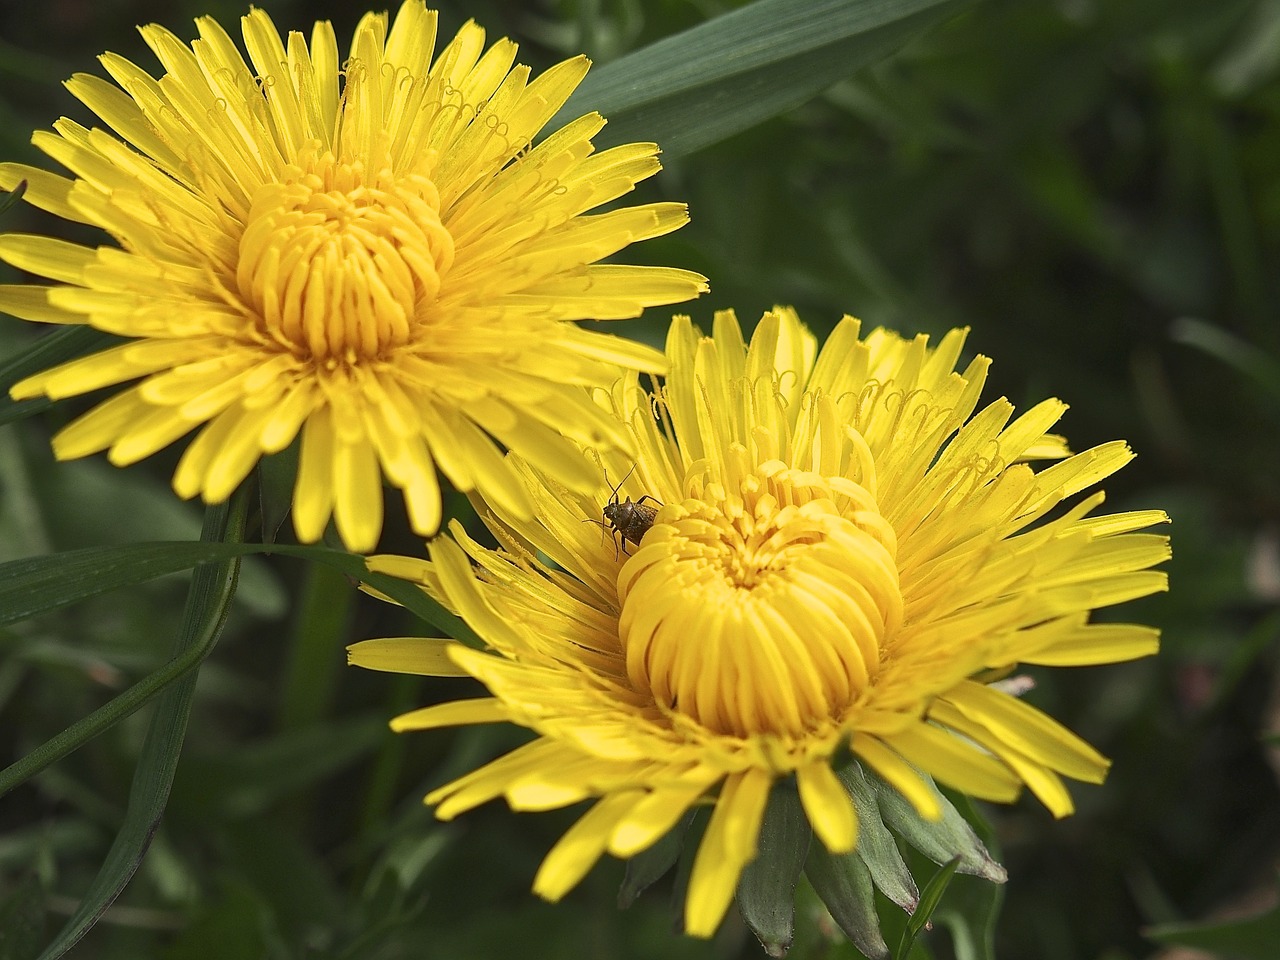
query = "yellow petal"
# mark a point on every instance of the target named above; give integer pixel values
(727, 846)
(46, 256)
(1097, 644)
(955, 763)
(653, 817)
(579, 849)
(313, 490)
(420, 655)
(899, 774)
(828, 806)
(1029, 731)
(357, 496)
(31, 302)
(456, 713)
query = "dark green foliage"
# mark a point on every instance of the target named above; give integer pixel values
(1093, 187)
(1244, 938)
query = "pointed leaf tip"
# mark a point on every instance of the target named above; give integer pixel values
(650, 864)
(876, 844)
(843, 883)
(943, 840)
(766, 890)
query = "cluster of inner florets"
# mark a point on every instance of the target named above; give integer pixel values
(337, 261)
(760, 604)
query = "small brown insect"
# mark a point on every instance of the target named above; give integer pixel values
(630, 518)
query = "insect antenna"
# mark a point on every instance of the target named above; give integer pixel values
(613, 491)
(600, 523)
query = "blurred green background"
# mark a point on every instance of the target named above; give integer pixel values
(1093, 188)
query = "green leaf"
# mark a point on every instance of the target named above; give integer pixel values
(692, 841)
(930, 897)
(723, 76)
(404, 862)
(277, 475)
(36, 584)
(970, 913)
(8, 198)
(652, 863)
(876, 845)
(971, 909)
(843, 883)
(1253, 938)
(767, 888)
(48, 351)
(942, 840)
(208, 603)
(1247, 360)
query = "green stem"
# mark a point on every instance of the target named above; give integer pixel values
(405, 693)
(315, 649)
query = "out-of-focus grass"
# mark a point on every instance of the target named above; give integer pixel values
(1082, 183)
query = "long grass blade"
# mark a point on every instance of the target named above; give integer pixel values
(723, 76)
(208, 602)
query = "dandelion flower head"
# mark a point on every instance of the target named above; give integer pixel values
(371, 252)
(847, 552)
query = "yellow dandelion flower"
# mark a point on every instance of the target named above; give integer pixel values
(369, 252)
(845, 554)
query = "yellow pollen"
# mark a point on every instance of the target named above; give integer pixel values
(761, 606)
(338, 261)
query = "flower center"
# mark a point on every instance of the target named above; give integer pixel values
(338, 259)
(761, 604)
